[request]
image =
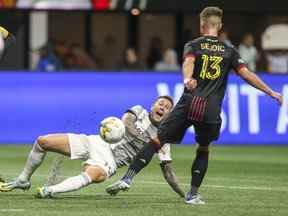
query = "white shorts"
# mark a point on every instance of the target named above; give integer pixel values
(93, 150)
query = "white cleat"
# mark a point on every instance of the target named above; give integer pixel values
(16, 184)
(118, 186)
(194, 199)
(43, 193)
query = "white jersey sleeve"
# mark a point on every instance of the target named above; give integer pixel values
(164, 153)
(139, 112)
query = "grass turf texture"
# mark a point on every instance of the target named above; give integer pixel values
(240, 181)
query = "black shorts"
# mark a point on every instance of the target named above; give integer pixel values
(173, 128)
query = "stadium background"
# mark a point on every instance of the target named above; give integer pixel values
(247, 175)
(67, 98)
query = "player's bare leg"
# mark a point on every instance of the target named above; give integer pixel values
(55, 142)
(90, 174)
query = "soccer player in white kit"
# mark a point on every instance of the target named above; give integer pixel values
(100, 158)
(6, 39)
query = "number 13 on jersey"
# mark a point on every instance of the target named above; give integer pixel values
(211, 68)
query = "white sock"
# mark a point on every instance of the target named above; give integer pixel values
(71, 184)
(34, 160)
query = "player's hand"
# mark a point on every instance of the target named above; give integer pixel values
(156, 143)
(190, 84)
(278, 97)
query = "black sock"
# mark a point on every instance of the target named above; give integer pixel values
(142, 159)
(198, 170)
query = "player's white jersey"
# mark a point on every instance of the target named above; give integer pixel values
(125, 151)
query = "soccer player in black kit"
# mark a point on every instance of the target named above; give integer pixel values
(206, 66)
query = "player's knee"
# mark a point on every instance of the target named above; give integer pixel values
(96, 173)
(43, 141)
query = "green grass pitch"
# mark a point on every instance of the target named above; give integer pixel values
(241, 181)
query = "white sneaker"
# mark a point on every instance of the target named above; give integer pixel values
(194, 200)
(43, 193)
(16, 184)
(117, 187)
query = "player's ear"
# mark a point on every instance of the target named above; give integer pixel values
(220, 26)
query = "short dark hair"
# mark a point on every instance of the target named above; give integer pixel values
(170, 99)
(211, 11)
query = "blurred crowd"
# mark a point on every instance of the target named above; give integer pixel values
(62, 55)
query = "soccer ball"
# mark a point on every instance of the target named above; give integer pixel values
(112, 130)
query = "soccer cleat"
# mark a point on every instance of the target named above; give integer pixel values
(194, 199)
(43, 193)
(118, 186)
(16, 184)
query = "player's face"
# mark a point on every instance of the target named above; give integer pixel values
(161, 108)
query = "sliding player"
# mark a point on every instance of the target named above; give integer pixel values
(101, 159)
(6, 39)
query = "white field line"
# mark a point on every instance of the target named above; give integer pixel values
(261, 188)
(12, 210)
(232, 187)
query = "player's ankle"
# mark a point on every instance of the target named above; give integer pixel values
(22, 178)
(194, 190)
(128, 180)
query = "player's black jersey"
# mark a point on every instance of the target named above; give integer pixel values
(213, 62)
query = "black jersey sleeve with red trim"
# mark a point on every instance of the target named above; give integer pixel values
(189, 50)
(237, 61)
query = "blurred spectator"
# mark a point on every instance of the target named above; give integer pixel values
(80, 59)
(275, 44)
(169, 62)
(61, 55)
(48, 60)
(277, 61)
(61, 50)
(248, 51)
(131, 61)
(224, 37)
(155, 52)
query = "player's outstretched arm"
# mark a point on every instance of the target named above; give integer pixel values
(256, 82)
(187, 70)
(170, 177)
